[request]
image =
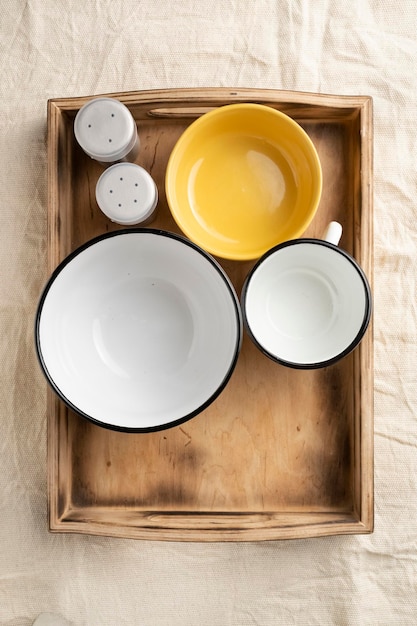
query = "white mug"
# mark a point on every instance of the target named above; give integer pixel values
(307, 303)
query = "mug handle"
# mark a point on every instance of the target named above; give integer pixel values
(333, 233)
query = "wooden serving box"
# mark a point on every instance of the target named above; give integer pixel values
(282, 453)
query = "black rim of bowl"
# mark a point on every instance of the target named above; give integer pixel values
(147, 231)
(361, 331)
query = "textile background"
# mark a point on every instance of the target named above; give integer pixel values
(52, 48)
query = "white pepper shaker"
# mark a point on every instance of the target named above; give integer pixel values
(127, 194)
(106, 131)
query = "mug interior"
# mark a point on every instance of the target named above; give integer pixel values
(306, 303)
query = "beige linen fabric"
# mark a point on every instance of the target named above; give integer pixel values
(57, 48)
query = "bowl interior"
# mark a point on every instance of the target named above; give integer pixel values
(243, 178)
(139, 330)
(306, 304)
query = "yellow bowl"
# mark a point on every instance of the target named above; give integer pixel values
(243, 178)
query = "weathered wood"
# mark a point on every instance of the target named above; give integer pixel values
(281, 453)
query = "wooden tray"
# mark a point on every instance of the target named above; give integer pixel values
(281, 453)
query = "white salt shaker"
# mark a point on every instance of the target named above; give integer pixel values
(127, 194)
(106, 131)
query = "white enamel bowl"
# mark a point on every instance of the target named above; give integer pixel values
(306, 303)
(138, 330)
